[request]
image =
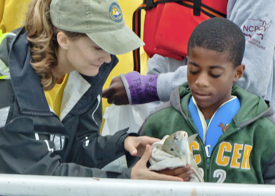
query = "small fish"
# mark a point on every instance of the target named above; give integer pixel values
(177, 145)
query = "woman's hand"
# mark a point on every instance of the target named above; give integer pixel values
(140, 170)
(136, 145)
(182, 172)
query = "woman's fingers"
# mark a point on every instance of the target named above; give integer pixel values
(140, 170)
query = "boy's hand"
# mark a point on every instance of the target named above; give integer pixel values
(182, 172)
(140, 170)
(140, 89)
(116, 93)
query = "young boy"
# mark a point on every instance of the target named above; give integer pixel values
(236, 131)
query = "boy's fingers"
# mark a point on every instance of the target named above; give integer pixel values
(110, 99)
(156, 176)
(186, 176)
(106, 93)
(177, 171)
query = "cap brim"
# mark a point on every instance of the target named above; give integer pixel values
(117, 42)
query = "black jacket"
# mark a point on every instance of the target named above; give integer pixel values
(33, 140)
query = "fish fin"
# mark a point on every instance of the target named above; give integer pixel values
(184, 161)
(196, 170)
(196, 176)
(192, 138)
(193, 163)
(165, 142)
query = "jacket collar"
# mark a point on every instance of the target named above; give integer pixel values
(252, 108)
(25, 82)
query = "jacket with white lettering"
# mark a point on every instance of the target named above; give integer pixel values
(245, 153)
(33, 140)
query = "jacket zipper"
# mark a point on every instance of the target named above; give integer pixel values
(208, 159)
(207, 165)
(208, 168)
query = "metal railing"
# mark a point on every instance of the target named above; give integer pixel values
(30, 185)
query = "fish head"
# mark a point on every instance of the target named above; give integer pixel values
(177, 144)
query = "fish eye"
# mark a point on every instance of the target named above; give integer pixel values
(172, 149)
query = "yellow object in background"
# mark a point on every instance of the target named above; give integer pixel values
(2, 35)
(2, 4)
(126, 64)
(54, 96)
(12, 16)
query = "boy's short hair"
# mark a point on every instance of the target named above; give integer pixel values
(220, 35)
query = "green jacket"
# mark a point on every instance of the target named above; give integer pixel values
(245, 153)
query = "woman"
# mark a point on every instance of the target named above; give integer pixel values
(52, 73)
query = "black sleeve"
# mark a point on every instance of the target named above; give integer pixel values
(91, 149)
(22, 153)
(27, 149)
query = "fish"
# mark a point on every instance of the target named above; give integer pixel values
(177, 145)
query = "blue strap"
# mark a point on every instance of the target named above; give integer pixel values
(218, 122)
(195, 116)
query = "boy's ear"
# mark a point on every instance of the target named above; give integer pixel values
(62, 40)
(239, 72)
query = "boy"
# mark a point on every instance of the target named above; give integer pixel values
(236, 131)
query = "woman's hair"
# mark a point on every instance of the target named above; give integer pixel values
(43, 42)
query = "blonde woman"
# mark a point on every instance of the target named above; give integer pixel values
(52, 72)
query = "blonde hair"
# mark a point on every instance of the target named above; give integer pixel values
(43, 43)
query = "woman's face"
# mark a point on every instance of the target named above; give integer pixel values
(84, 56)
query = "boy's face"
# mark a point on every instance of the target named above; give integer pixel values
(210, 77)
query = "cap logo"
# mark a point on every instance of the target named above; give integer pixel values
(115, 12)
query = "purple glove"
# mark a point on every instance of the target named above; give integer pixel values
(140, 88)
